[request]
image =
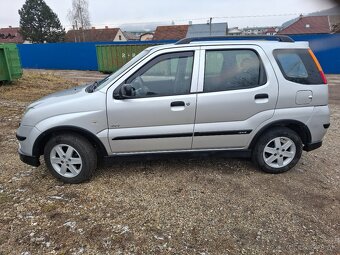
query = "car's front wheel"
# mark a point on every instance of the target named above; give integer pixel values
(70, 158)
(278, 150)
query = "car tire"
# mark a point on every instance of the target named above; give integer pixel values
(70, 157)
(277, 150)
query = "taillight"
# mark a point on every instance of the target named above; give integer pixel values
(322, 74)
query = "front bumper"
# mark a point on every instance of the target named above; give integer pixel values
(30, 160)
(312, 146)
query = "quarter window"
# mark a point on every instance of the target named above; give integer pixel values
(232, 69)
(298, 66)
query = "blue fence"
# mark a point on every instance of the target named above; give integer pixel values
(326, 48)
(82, 56)
(66, 56)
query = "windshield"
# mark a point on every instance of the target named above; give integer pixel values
(110, 78)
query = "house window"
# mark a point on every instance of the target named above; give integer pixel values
(120, 38)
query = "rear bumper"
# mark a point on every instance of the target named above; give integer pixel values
(30, 160)
(312, 146)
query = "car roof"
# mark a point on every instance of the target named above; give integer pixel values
(261, 43)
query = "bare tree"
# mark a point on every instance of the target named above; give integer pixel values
(79, 16)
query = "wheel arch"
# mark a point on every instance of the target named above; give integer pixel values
(300, 128)
(40, 142)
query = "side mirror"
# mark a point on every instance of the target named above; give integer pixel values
(125, 91)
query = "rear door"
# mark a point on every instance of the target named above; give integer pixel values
(238, 91)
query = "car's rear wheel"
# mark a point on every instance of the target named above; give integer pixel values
(278, 150)
(70, 158)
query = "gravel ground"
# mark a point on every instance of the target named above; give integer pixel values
(172, 206)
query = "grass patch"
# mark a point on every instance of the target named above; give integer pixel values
(34, 85)
(4, 198)
(46, 208)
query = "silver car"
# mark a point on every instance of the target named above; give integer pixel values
(257, 98)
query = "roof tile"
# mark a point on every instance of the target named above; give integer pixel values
(92, 35)
(10, 35)
(308, 25)
(175, 32)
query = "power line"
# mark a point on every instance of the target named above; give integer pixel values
(196, 19)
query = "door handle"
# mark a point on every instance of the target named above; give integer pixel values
(177, 103)
(261, 96)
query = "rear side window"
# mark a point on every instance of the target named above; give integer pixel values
(298, 66)
(232, 70)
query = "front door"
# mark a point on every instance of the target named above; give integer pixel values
(159, 116)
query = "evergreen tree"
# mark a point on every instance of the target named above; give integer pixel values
(39, 24)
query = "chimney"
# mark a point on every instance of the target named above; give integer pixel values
(106, 27)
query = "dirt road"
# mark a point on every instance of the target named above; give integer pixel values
(188, 206)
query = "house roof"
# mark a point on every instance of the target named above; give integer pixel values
(308, 25)
(175, 32)
(130, 36)
(10, 35)
(92, 35)
(199, 30)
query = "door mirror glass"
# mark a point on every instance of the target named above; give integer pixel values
(125, 91)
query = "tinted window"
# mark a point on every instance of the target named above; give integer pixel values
(232, 69)
(298, 66)
(168, 74)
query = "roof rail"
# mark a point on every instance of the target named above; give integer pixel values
(280, 38)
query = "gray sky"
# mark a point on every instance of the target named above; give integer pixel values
(113, 13)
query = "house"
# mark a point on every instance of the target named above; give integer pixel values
(254, 30)
(95, 35)
(11, 35)
(146, 36)
(130, 36)
(260, 30)
(308, 25)
(335, 23)
(213, 29)
(271, 30)
(234, 31)
(175, 32)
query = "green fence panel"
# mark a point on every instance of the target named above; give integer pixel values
(111, 57)
(10, 66)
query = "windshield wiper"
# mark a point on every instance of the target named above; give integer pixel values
(96, 84)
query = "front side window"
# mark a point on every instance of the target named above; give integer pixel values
(166, 75)
(232, 69)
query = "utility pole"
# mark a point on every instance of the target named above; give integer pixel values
(75, 32)
(210, 21)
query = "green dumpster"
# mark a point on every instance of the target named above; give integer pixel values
(10, 67)
(111, 57)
